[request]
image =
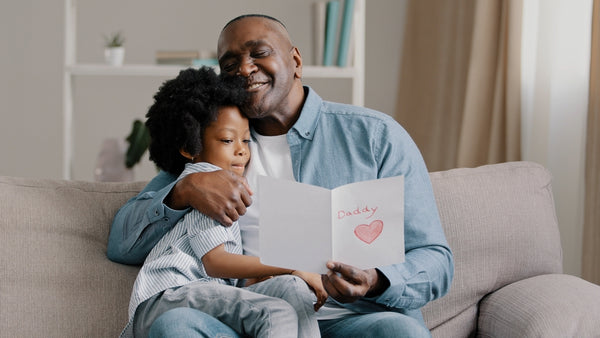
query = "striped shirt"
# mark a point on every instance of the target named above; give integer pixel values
(176, 259)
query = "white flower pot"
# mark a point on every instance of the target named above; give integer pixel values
(114, 56)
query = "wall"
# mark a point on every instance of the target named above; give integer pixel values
(30, 92)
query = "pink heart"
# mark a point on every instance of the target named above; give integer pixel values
(368, 233)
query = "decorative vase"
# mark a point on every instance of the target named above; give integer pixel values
(114, 56)
(110, 165)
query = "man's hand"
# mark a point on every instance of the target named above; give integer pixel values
(346, 284)
(221, 195)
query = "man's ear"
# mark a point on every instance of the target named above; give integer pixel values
(298, 59)
(186, 154)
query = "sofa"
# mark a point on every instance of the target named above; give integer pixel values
(500, 221)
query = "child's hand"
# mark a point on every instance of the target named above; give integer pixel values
(314, 282)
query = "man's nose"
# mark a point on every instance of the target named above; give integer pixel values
(247, 67)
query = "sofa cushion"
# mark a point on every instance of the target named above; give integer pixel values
(501, 226)
(55, 279)
(542, 306)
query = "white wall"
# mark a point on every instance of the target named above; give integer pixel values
(30, 90)
(556, 58)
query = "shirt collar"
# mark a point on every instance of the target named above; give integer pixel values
(309, 115)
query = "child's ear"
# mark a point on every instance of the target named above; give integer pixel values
(186, 155)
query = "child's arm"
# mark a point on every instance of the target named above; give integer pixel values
(222, 264)
(219, 263)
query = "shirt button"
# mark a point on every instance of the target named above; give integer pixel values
(166, 219)
(307, 133)
(156, 212)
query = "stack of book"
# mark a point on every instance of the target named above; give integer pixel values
(194, 58)
(333, 27)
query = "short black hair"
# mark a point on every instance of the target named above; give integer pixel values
(183, 107)
(253, 16)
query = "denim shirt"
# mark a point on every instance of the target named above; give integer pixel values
(331, 144)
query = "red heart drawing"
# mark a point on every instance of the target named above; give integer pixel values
(368, 233)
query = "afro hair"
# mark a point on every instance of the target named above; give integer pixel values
(183, 107)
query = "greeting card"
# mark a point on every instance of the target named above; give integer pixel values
(303, 226)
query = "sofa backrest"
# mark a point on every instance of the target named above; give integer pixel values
(501, 225)
(55, 279)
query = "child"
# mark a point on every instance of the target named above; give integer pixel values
(195, 125)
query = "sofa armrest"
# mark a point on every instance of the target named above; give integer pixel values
(554, 305)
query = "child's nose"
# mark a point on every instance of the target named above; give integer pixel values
(242, 151)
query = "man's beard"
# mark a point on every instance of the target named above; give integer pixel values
(252, 109)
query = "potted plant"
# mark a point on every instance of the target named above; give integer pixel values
(114, 52)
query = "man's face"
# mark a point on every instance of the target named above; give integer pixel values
(225, 141)
(259, 50)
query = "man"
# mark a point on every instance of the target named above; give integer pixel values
(299, 136)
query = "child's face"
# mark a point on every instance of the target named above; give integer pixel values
(225, 141)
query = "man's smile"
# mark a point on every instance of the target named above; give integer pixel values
(252, 86)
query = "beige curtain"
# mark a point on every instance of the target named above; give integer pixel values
(591, 227)
(459, 88)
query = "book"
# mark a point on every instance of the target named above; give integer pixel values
(331, 26)
(345, 33)
(205, 62)
(188, 62)
(352, 45)
(175, 61)
(177, 54)
(319, 17)
(185, 57)
(303, 226)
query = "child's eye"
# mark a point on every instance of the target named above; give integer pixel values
(226, 141)
(247, 141)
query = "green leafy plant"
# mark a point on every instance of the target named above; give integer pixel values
(114, 40)
(139, 140)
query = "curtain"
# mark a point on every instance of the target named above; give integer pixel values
(459, 86)
(591, 225)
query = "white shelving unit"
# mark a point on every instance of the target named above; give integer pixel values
(355, 73)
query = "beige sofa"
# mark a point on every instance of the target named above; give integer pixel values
(55, 280)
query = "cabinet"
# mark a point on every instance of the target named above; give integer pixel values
(71, 69)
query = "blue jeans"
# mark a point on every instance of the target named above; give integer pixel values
(185, 322)
(188, 323)
(376, 324)
(278, 307)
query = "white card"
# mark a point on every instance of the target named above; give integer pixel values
(302, 226)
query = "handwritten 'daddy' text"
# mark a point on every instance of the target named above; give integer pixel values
(366, 211)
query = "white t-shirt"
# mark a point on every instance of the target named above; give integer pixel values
(270, 156)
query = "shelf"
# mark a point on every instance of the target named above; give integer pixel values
(125, 70)
(72, 69)
(92, 69)
(329, 72)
